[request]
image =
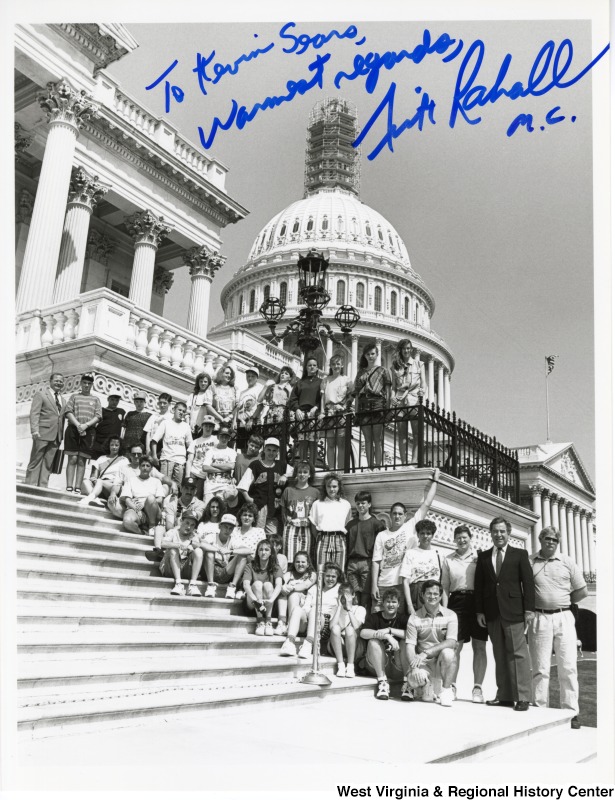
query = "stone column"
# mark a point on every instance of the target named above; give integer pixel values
(203, 265)
(570, 529)
(84, 193)
(577, 538)
(585, 543)
(554, 510)
(431, 392)
(447, 390)
(589, 524)
(563, 528)
(147, 231)
(441, 386)
(67, 109)
(379, 346)
(354, 355)
(546, 510)
(328, 354)
(536, 490)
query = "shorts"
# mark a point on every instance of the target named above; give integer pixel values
(359, 574)
(393, 666)
(221, 575)
(462, 603)
(185, 565)
(375, 405)
(268, 523)
(172, 470)
(76, 444)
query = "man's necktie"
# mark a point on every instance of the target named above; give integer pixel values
(58, 403)
(498, 561)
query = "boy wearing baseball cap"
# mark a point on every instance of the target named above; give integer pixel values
(221, 566)
(134, 421)
(260, 481)
(183, 556)
(218, 466)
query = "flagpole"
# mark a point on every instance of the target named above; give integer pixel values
(547, 385)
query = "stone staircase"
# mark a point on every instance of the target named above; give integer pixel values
(101, 642)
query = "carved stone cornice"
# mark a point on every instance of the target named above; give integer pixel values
(85, 189)
(103, 45)
(99, 246)
(146, 228)
(202, 261)
(23, 140)
(163, 280)
(25, 206)
(65, 104)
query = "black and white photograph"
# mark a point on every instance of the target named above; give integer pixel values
(275, 266)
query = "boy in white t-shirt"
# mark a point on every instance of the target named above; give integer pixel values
(183, 556)
(420, 564)
(197, 451)
(221, 564)
(218, 466)
(391, 545)
(142, 496)
(176, 438)
(152, 424)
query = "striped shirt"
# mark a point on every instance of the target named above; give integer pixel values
(425, 631)
(84, 407)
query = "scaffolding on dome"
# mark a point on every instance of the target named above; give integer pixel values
(330, 158)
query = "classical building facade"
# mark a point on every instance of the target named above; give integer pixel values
(556, 486)
(110, 201)
(369, 263)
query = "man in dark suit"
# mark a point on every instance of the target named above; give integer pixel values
(46, 427)
(504, 596)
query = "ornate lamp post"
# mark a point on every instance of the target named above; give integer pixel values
(308, 326)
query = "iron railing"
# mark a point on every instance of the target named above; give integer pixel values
(338, 442)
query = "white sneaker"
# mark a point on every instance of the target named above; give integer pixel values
(350, 671)
(281, 629)
(341, 670)
(178, 589)
(305, 651)
(193, 590)
(383, 690)
(260, 629)
(428, 693)
(288, 649)
(446, 697)
(230, 592)
(407, 695)
(477, 694)
(211, 590)
(268, 629)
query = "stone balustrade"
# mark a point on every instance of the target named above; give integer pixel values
(108, 316)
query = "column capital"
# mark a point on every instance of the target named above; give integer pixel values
(84, 189)
(536, 488)
(202, 261)
(146, 228)
(23, 140)
(25, 206)
(355, 337)
(65, 104)
(99, 246)
(429, 358)
(163, 280)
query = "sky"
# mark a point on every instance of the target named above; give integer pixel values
(499, 227)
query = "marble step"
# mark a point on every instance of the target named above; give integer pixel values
(72, 518)
(560, 745)
(99, 563)
(148, 585)
(86, 675)
(46, 535)
(53, 718)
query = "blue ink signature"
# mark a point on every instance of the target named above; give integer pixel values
(370, 64)
(467, 95)
(303, 41)
(425, 109)
(240, 116)
(177, 92)
(220, 70)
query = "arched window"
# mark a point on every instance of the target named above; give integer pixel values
(340, 224)
(360, 295)
(270, 239)
(241, 305)
(283, 292)
(407, 308)
(310, 224)
(354, 226)
(324, 225)
(266, 292)
(377, 299)
(229, 310)
(340, 297)
(380, 236)
(252, 300)
(296, 226)
(283, 229)
(394, 304)
(368, 230)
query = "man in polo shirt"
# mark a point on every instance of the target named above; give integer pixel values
(458, 583)
(559, 582)
(431, 644)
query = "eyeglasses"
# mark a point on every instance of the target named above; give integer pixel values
(549, 539)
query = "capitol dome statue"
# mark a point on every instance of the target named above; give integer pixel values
(369, 266)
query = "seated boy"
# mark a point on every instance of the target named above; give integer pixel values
(344, 626)
(384, 632)
(221, 564)
(183, 556)
(142, 496)
(431, 645)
